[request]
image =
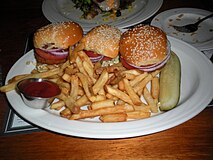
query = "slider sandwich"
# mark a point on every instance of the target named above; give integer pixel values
(144, 47)
(101, 44)
(52, 42)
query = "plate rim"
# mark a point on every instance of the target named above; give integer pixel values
(36, 116)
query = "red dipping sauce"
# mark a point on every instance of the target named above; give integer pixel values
(43, 89)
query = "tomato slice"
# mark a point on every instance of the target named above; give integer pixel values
(48, 56)
(91, 53)
(125, 64)
(106, 59)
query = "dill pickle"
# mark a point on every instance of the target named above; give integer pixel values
(170, 79)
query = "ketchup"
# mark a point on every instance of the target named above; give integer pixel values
(42, 89)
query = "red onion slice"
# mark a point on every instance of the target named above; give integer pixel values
(57, 52)
(51, 50)
(155, 66)
(152, 67)
(96, 59)
(63, 53)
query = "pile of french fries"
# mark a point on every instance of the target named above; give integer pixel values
(113, 93)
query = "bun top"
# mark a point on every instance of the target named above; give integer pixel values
(103, 39)
(143, 45)
(59, 35)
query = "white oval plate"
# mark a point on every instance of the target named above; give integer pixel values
(63, 10)
(201, 39)
(196, 93)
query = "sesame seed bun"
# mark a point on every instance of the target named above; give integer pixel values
(143, 45)
(61, 35)
(103, 39)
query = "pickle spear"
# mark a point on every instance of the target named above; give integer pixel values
(170, 79)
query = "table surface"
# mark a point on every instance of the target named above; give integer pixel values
(190, 140)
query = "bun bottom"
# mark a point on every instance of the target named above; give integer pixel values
(42, 60)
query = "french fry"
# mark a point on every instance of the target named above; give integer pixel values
(85, 84)
(98, 112)
(57, 105)
(66, 77)
(82, 101)
(76, 109)
(34, 71)
(100, 82)
(89, 69)
(102, 92)
(155, 73)
(65, 91)
(150, 100)
(53, 80)
(111, 78)
(132, 71)
(62, 83)
(110, 69)
(79, 64)
(74, 86)
(120, 102)
(155, 87)
(80, 91)
(74, 53)
(97, 66)
(56, 76)
(139, 87)
(138, 79)
(118, 77)
(121, 85)
(130, 76)
(102, 104)
(117, 93)
(143, 107)
(63, 66)
(138, 114)
(68, 69)
(116, 117)
(128, 108)
(62, 97)
(109, 96)
(11, 86)
(66, 113)
(85, 58)
(51, 66)
(70, 103)
(16, 78)
(97, 98)
(115, 68)
(133, 96)
(71, 70)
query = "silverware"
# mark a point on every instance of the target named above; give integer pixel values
(191, 27)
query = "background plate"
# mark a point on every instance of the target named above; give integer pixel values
(62, 10)
(201, 39)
